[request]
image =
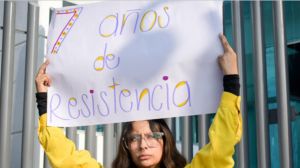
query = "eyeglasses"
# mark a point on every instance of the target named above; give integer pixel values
(133, 141)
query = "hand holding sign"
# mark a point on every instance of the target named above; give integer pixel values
(42, 80)
(228, 61)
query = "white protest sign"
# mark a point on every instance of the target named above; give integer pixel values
(122, 61)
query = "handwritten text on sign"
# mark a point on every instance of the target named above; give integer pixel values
(123, 61)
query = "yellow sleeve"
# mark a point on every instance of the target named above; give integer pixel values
(224, 133)
(61, 151)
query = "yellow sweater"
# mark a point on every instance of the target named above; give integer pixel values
(224, 133)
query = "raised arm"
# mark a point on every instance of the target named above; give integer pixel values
(226, 129)
(61, 151)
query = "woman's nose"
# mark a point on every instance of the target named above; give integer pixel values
(143, 144)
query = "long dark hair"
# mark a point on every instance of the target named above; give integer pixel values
(171, 158)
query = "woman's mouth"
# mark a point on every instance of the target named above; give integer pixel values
(144, 157)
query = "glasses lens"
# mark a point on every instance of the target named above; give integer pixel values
(152, 139)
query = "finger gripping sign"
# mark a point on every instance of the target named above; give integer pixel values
(114, 62)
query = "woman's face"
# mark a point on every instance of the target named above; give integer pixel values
(145, 147)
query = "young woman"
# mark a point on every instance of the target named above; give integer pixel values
(150, 143)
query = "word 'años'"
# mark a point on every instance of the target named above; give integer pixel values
(146, 20)
(110, 26)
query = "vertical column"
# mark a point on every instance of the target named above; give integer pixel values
(7, 82)
(72, 134)
(29, 99)
(90, 140)
(282, 86)
(203, 125)
(187, 141)
(118, 135)
(46, 161)
(238, 46)
(171, 124)
(108, 145)
(261, 109)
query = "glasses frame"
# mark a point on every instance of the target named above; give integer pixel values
(161, 134)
